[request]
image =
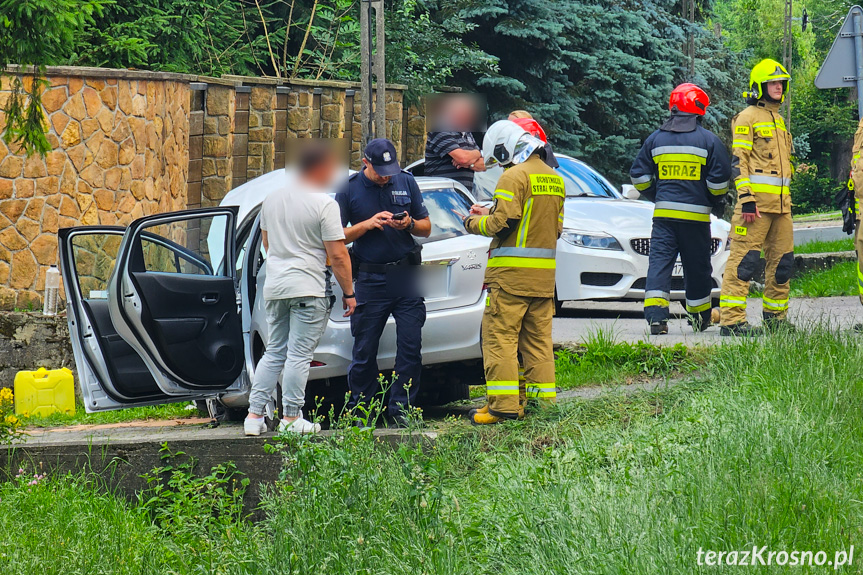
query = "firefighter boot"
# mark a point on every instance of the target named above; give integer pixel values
(700, 321)
(739, 329)
(478, 417)
(772, 323)
(659, 328)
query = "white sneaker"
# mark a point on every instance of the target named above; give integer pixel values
(300, 425)
(255, 426)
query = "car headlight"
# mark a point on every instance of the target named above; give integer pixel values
(594, 240)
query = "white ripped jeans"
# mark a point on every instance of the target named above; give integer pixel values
(295, 328)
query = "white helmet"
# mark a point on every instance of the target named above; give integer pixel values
(508, 143)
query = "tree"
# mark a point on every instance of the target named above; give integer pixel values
(35, 33)
(596, 73)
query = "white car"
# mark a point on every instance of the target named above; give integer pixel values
(603, 252)
(168, 308)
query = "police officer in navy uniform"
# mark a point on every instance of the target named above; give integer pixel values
(385, 210)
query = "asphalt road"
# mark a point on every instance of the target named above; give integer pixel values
(625, 320)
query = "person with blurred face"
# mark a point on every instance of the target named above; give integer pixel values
(302, 231)
(762, 171)
(451, 150)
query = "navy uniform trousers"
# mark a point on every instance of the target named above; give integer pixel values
(691, 240)
(375, 304)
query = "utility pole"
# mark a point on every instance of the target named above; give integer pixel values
(786, 58)
(373, 82)
(687, 9)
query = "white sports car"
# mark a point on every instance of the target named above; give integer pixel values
(603, 252)
(168, 308)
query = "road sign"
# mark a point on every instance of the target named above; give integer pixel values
(843, 66)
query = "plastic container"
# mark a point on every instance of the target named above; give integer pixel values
(52, 291)
(44, 391)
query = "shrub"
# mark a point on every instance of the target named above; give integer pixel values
(812, 193)
(10, 424)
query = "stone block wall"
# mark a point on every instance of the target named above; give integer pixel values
(129, 143)
(120, 151)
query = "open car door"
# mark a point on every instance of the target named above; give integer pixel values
(111, 373)
(181, 314)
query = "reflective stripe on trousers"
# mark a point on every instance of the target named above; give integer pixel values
(541, 390)
(729, 301)
(774, 304)
(698, 305)
(501, 387)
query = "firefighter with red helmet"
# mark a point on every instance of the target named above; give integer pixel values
(684, 169)
(533, 128)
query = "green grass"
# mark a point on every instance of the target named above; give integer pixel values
(759, 447)
(166, 411)
(840, 280)
(602, 360)
(818, 216)
(820, 247)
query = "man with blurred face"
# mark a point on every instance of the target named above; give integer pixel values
(451, 150)
(301, 230)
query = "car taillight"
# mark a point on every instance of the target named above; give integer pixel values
(317, 364)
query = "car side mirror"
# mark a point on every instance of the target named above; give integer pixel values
(630, 193)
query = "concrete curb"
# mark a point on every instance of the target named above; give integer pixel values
(121, 456)
(810, 262)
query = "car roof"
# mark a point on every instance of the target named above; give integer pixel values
(251, 194)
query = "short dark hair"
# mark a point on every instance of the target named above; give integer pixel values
(313, 156)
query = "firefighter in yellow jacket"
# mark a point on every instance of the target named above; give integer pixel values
(851, 211)
(525, 222)
(761, 168)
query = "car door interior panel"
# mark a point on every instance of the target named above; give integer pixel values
(127, 370)
(174, 298)
(195, 325)
(116, 375)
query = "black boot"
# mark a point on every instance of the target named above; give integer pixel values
(700, 321)
(739, 329)
(774, 324)
(659, 328)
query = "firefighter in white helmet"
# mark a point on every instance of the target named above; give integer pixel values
(525, 223)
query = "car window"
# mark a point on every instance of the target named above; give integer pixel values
(582, 181)
(182, 247)
(447, 208)
(94, 257)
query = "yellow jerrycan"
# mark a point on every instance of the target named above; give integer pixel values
(43, 392)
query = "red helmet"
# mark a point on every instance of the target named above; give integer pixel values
(532, 127)
(689, 98)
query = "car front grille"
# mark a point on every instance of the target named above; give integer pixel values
(600, 279)
(676, 284)
(641, 246)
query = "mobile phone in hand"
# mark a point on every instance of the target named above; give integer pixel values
(399, 217)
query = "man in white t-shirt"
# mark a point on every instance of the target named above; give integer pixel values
(302, 229)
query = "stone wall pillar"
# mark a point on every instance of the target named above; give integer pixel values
(197, 97)
(262, 133)
(240, 150)
(414, 130)
(280, 145)
(216, 163)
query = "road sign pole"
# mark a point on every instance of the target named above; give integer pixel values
(843, 67)
(858, 53)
